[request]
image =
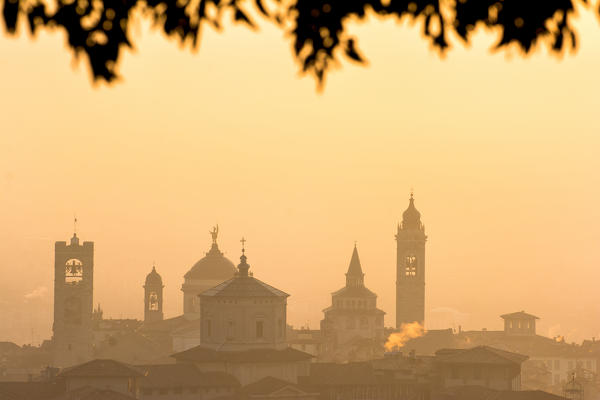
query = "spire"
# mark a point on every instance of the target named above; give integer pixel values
(355, 275)
(411, 218)
(243, 267)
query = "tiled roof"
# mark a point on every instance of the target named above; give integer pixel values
(479, 355)
(30, 390)
(332, 374)
(101, 368)
(483, 393)
(518, 315)
(6, 347)
(92, 393)
(166, 325)
(183, 375)
(354, 291)
(267, 385)
(204, 354)
(243, 286)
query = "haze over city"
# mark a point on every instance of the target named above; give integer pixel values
(501, 156)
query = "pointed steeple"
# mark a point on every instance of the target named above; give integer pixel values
(355, 275)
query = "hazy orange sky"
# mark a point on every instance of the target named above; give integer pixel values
(502, 153)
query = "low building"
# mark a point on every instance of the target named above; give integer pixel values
(184, 382)
(103, 374)
(479, 366)
(305, 339)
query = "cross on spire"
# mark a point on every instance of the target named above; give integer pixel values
(243, 242)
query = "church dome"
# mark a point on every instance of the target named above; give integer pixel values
(214, 266)
(153, 278)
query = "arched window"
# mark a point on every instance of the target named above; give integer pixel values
(73, 271)
(153, 301)
(410, 265)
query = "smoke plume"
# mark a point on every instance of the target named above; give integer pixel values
(407, 332)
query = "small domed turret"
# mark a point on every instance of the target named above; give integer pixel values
(411, 217)
(153, 278)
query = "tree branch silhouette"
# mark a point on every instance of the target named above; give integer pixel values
(99, 29)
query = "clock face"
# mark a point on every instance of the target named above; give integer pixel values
(73, 271)
(410, 265)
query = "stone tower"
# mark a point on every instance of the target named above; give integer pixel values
(153, 297)
(410, 267)
(352, 327)
(73, 302)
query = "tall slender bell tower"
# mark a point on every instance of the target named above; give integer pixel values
(153, 297)
(410, 267)
(73, 302)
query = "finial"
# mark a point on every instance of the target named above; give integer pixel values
(243, 242)
(355, 243)
(214, 233)
(74, 225)
(153, 266)
(412, 192)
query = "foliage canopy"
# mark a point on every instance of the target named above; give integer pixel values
(99, 29)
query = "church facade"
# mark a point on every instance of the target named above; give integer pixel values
(243, 331)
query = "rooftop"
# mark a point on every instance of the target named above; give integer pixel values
(204, 354)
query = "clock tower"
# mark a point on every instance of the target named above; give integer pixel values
(410, 267)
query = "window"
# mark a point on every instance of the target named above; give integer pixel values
(280, 328)
(364, 322)
(476, 373)
(153, 301)
(556, 364)
(230, 330)
(73, 271)
(259, 329)
(350, 323)
(410, 265)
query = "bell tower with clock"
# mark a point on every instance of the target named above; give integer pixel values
(73, 302)
(410, 267)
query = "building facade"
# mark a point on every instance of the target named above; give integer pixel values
(410, 267)
(243, 313)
